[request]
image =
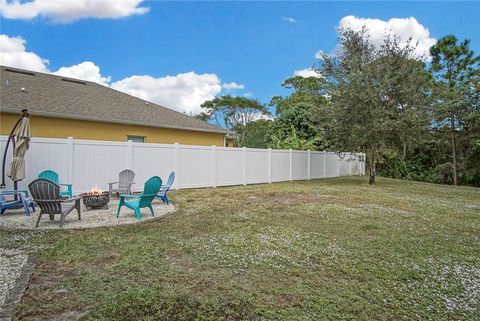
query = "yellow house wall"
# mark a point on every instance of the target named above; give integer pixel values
(82, 129)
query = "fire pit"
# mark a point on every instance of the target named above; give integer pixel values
(96, 199)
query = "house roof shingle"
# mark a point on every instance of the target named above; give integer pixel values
(50, 95)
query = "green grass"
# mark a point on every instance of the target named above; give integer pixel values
(311, 250)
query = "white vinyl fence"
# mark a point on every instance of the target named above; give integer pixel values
(89, 163)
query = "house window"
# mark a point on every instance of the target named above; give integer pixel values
(136, 139)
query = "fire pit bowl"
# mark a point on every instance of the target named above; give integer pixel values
(94, 200)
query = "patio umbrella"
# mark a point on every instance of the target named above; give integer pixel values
(17, 167)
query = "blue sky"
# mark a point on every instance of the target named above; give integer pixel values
(254, 44)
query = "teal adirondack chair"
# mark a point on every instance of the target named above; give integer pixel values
(152, 186)
(53, 177)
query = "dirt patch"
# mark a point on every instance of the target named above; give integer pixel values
(179, 262)
(46, 287)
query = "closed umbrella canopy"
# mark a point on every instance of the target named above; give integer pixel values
(17, 167)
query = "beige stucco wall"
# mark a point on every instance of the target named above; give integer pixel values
(81, 129)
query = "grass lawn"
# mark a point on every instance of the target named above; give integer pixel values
(309, 250)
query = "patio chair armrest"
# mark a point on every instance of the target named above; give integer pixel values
(64, 184)
(17, 192)
(76, 198)
(129, 196)
(112, 183)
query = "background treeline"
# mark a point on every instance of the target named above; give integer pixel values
(415, 117)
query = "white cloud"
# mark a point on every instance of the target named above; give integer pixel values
(404, 28)
(184, 92)
(13, 54)
(307, 72)
(233, 86)
(64, 11)
(248, 94)
(289, 19)
(86, 70)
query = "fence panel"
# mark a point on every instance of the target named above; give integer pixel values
(257, 166)
(317, 169)
(87, 164)
(97, 163)
(280, 166)
(331, 165)
(150, 160)
(49, 154)
(300, 165)
(194, 166)
(229, 168)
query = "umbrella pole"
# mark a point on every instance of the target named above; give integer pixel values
(11, 137)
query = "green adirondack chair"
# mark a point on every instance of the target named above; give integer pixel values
(152, 186)
(53, 177)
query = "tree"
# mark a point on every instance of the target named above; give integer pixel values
(300, 111)
(233, 113)
(256, 133)
(293, 141)
(378, 96)
(310, 90)
(300, 117)
(456, 79)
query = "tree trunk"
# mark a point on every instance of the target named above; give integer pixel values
(454, 154)
(373, 171)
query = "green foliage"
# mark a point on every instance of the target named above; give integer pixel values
(307, 90)
(443, 173)
(256, 133)
(300, 111)
(297, 122)
(294, 142)
(391, 164)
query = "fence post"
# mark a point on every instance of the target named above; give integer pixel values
(350, 165)
(325, 164)
(269, 166)
(309, 154)
(291, 164)
(176, 165)
(244, 165)
(71, 161)
(214, 166)
(338, 166)
(130, 151)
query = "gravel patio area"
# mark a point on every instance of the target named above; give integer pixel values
(90, 218)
